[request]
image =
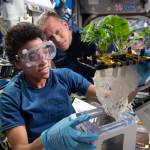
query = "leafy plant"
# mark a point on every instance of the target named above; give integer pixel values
(145, 32)
(113, 29)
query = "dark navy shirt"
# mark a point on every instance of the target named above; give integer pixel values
(77, 49)
(39, 109)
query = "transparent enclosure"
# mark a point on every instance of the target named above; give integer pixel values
(112, 134)
(113, 86)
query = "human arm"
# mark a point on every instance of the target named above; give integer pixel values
(132, 95)
(143, 88)
(144, 80)
(91, 93)
(63, 135)
(18, 139)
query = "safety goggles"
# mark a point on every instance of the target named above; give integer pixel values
(34, 56)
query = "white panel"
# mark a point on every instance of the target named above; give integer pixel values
(44, 3)
(13, 10)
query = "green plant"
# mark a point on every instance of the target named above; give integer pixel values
(145, 32)
(112, 29)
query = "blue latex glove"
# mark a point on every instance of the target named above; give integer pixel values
(64, 135)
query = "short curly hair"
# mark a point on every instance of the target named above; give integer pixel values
(17, 36)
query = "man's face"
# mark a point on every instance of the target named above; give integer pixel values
(34, 59)
(58, 31)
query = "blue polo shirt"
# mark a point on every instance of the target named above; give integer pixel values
(39, 109)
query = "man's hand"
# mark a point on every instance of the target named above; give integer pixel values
(132, 95)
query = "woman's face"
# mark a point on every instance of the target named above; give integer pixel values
(34, 59)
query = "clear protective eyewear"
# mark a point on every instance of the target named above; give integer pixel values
(34, 56)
